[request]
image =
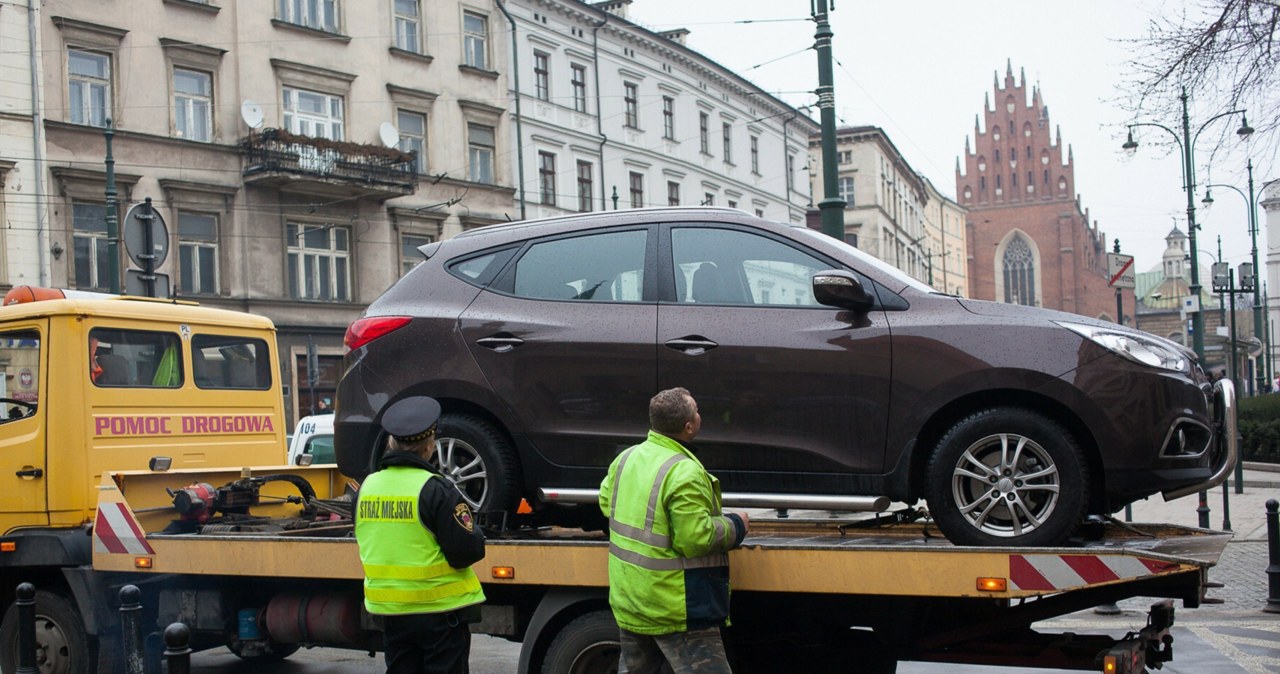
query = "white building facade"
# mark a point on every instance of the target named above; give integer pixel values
(612, 115)
(23, 214)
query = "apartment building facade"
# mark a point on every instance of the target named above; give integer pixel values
(613, 115)
(299, 152)
(946, 259)
(24, 235)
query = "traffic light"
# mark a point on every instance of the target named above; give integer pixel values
(1247, 278)
(1220, 280)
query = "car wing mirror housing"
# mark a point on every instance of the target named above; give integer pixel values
(838, 288)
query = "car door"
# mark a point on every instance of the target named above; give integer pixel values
(23, 415)
(565, 339)
(793, 394)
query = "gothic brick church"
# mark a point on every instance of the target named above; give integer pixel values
(1029, 240)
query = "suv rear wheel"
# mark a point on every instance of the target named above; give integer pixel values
(1007, 476)
(480, 460)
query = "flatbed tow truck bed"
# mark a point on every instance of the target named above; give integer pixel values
(809, 594)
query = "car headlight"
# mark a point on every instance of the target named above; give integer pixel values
(1138, 347)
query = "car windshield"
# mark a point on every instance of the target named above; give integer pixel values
(863, 258)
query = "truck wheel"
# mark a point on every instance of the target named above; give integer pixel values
(275, 651)
(587, 645)
(480, 460)
(62, 647)
(1007, 476)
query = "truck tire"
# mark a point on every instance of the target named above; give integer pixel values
(275, 652)
(480, 460)
(1007, 476)
(587, 645)
(62, 646)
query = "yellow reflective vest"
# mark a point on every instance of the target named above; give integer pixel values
(668, 567)
(404, 569)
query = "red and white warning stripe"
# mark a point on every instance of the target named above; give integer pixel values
(1062, 572)
(116, 531)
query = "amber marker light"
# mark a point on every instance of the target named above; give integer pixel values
(143, 562)
(1109, 664)
(503, 572)
(992, 585)
(8, 546)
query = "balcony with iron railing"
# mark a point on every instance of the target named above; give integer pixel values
(277, 158)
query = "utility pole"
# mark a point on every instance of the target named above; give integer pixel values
(831, 206)
(113, 223)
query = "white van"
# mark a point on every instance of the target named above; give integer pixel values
(312, 436)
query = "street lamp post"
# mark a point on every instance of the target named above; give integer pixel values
(1186, 144)
(1251, 204)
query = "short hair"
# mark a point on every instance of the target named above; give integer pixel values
(670, 410)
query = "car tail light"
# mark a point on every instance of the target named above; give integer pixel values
(366, 330)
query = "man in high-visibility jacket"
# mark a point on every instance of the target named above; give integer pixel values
(417, 544)
(668, 567)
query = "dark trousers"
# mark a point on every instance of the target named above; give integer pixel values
(427, 643)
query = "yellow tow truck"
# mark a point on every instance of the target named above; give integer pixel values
(166, 471)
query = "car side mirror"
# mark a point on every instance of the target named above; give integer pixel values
(304, 460)
(837, 288)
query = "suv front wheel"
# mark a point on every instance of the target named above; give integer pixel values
(1009, 477)
(480, 460)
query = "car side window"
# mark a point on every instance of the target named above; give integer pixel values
(725, 266)
(228, 362)
(134, 359)
(601, 267)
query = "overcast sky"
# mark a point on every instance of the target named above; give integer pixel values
(921, 70)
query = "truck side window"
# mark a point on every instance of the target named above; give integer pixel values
(134, 359)
(20, 366)
(226, 362)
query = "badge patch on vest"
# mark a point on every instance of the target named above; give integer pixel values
(462, 514)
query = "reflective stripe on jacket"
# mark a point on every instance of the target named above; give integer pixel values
(404, 569)
(668, 567)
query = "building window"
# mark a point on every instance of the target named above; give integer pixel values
(579, 87)
(542, 75)
(475, 40)
(631, 101)
(197, 253)
(791, 171)
(89, 223)
(1019, 273)
(846, 190)
(585, 186)
(997, 155)
(844, 157)
(193, 104)
(704, 132)
(547, 177)
(755, 155)
(480, 153)
(708, 199)
(731, 203)
(319, 258)
(759, 212)
(88, 87)
(636, 181)
(408, 25)
(409, 255)
(311, 113)
(317, 14)
(413, 137)
(673, 193)
(668, 118)
(726, 130)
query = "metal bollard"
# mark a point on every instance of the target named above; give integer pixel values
(177, 653)
(131, 629)
(1273, 554)
(26, 604)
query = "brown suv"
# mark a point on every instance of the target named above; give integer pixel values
(823, 376)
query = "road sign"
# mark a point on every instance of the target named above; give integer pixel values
(1120, 270)
(142, 284)
(145, 236)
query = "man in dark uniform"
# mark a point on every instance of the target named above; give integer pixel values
(417, 544)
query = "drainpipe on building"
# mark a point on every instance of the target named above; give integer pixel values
(515, 75)
(604, 140)
(37, 141)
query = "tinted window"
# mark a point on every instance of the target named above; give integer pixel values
(481, 269)
(320, 448)
(722, 266)
(223, 362)
(134, 359)
(601, 267)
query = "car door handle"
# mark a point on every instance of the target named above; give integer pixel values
(30, 472)
(501, 344)
(693, 345)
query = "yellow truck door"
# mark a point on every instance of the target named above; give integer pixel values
(23, 419)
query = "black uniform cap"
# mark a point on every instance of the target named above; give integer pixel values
(411, 419)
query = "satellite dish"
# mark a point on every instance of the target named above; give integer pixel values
(388, 134)
(251, 113)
